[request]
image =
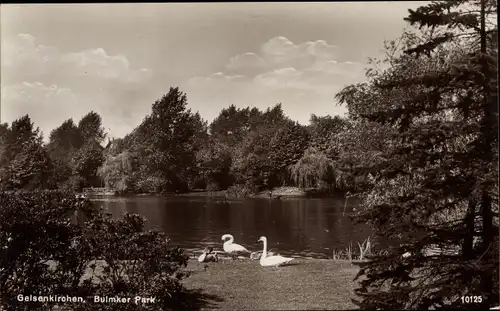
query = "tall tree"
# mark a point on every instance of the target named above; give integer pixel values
(4, 131)
(64, 142)
(90, 127)
(437, 181)
(85, 164)
(232, 124)
(251, 162)
(24, 162)
(166, 142)
(90, 155)
(285, 149)
(323, 130)
(352, 151)
(214, 165)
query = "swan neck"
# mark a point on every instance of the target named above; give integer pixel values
(264, 251)
(230, 241)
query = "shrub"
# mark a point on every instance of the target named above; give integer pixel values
(241, 191)
(54, 244)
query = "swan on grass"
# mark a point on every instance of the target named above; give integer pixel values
(267, 261)
(256, 255)
(233, 249)
(208, 256)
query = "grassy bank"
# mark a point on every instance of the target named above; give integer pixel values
(215, 194)
(245, 285)
(306, 284)
(280, 192)
(283, 192)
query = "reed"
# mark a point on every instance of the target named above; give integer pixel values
(347, 253)
(337, 254)
(364, 248)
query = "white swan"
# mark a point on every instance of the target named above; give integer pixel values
(232, 249)
(271, 260)
(256, 255)
(208, 256)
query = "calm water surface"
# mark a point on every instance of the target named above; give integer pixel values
(293, 227)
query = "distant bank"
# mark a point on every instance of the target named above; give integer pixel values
(86, 192)
(276, 193)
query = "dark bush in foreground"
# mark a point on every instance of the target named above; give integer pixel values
(54, 244)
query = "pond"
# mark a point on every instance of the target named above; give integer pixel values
(302, 227)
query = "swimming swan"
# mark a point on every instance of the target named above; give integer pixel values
(208, 256)
(232, 249)
(267, 261)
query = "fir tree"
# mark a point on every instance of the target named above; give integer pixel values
(436, 193)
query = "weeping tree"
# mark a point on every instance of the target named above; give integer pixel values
(314, 170)
(118, 172)
(435, 196)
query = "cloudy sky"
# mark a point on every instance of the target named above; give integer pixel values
(62, 61)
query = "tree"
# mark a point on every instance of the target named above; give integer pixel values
(64, 142)
(118, 172)
(232, 124)
(24, 162)
(166, 143)
(251, 161)
(4, 131)
(285, 149)
(251, 165)
(437, 180)
(85, 163)
(322, 131)
(313, 170)
(214, 165)
(354, 151)
(91, 129)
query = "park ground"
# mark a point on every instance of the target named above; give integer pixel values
(308, 284)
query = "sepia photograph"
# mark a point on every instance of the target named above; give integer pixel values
(249, 156)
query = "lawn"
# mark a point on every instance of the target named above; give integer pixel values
(245, 285)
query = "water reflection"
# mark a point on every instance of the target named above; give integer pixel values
(302, 227)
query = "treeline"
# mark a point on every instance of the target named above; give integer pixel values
(69, 161)
(175, 150)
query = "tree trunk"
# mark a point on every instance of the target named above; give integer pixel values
(468, 242)
(485, 250)
(488, 123)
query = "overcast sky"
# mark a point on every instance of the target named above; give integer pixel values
(62, 61)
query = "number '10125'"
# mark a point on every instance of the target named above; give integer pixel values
(472, 299)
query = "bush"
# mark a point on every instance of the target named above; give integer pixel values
(54, 244)
(241, 191)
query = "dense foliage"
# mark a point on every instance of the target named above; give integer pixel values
(24, 162)
(435, 189)
(419, 146)
(54, 244)
(174, 150)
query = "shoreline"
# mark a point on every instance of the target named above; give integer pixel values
(276, 194)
